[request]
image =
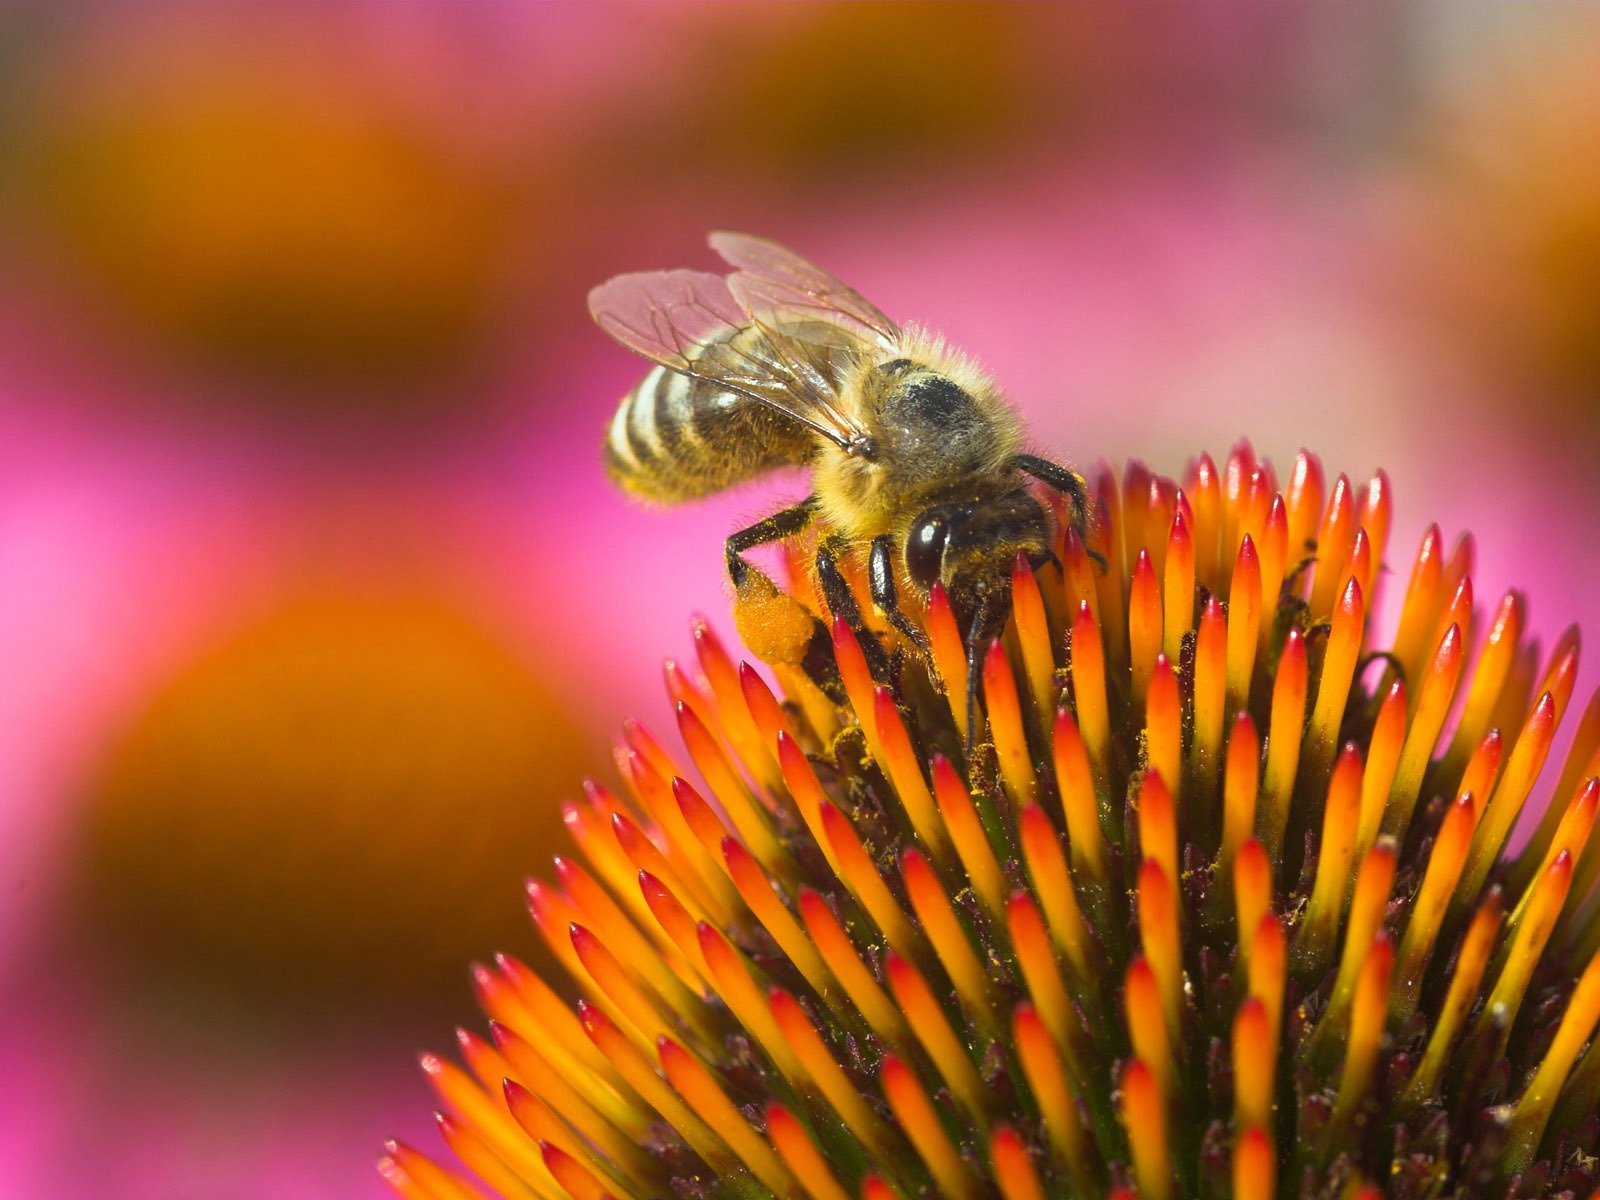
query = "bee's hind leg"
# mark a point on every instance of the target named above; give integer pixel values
(782, 524)
(880, 575)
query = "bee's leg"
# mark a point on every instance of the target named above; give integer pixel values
(842, 604)
(880, 574)
(976, 649)
(778, 526)
(1069, 483)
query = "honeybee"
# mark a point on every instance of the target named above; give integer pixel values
(916, 458)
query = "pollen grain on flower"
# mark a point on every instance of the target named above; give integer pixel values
(1219, 897)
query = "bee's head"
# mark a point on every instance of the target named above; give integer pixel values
(969, 547)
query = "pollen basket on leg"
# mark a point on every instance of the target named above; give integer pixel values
(1205, 892)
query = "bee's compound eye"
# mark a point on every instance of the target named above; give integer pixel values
(925, 547)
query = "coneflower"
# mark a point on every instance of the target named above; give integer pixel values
(1222, 900)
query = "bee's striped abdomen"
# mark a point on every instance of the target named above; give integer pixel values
(675, 438)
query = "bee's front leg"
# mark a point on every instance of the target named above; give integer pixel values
(780, 525)
(880, 575)
(1070, 484)
(842, 604)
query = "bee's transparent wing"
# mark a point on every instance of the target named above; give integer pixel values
(777, 287)
(687, 322)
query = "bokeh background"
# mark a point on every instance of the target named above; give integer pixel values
(313, 600)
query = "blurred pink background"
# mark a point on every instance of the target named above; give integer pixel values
(313, 599)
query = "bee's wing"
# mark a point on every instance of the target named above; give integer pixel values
(778, 287)
(685, 320)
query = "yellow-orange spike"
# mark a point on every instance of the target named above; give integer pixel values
(1158, 824)
(1367, 1012)
(1528, 941)
(944, 930)
(1533, 1109)
(1283, 743)
(1089, 691)
(1459, 999)
(1204, 489)
(739, 990)
(1571, 836)
(1368, 904)
(415, 1177)
(1484, 767)
(916, 1115)
(1080, 574)
(693, 862)
(590, 825)
(645, 1019)
(858, 681)
(1244, 623)
(1582, 763)
(477, 1154)
(733, 712)
(681, 689)
(1241, 780)
(1052, 883)
(1562, 674)
(1375, 514)
(461, 1095)
(535, 1070)
(552, 912)
(1013, 1169)
(575, 1179)
(567, 1041)
(806, 790)
(1144, 1116)
(1236, 473)
(1108, 535)
(1005, 724)
(1047, 1080)
(749, 819)
(966, 830)
(1164, 727)
(1339, 660)
(769, 908)
(840, 954)
(646, 859)
(1252, 892)
(1269, 953)
(949, 654)
(1147, 1023)
(1333, 548)
(841, 1095)
(1445, 860)
(690, 1079)
(1255, 1064)
(874, 1188)
(1495, 660)
(1255, 1166)
(1177, 590)
(904, 768)
(1422, 600)
(860, 875)
(932, 1028)
(766, 713)
(1319, 928)
(1144, 625)
(1505, 804)
(1033, 636)
(1210, 704)
(1158, 935)
(599, 912)
(1075, 781)
(1303, 497)
(1431, 703)
(801, 1156)
(703, 824)
(1457, 612)
(645, 744)
(1272, 546)
(1518, 697)
(1031, 943)
(1160, 503)
(1383, 761)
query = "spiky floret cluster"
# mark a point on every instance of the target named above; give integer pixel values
(1220, 903)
